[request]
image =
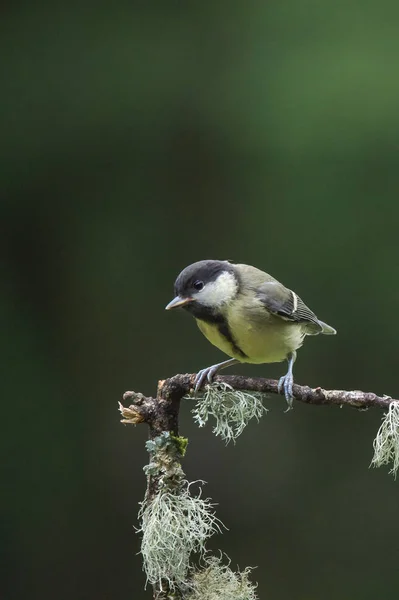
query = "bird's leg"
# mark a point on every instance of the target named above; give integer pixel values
(209, 372)
(286, 381)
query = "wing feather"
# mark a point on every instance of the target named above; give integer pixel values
(284, 303)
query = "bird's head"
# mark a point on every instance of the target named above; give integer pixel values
(207, 284)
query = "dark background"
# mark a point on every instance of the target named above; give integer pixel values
(137, 138)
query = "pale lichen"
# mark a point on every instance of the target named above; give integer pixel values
(232, 409)
(174, 524)
(386, 443)
(217, 581)
(165, 453)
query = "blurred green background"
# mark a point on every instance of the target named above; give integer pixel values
(137, 138)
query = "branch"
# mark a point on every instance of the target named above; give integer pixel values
(168, 502)
(178, 386)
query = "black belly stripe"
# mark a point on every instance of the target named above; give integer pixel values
(206, 314)
(224, 330)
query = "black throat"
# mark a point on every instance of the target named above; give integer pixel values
(204, 313)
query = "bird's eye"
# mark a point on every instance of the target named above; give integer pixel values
(198, 285)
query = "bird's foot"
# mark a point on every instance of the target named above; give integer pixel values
(285, 384)
(210, 372)
(205, 374)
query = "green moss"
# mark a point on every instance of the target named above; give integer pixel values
(181, 444)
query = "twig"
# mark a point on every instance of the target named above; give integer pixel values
(178, 386)
(161, 415)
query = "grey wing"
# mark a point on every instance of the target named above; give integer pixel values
(284, 303)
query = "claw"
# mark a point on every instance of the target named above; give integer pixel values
(285, 387)
(286, 382)
(207, 374)
(201, 376)
(210, 372)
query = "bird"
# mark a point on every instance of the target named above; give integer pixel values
(248, 315)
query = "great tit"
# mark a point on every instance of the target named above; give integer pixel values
(247, 314)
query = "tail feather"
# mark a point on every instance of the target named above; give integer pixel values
(327, 329)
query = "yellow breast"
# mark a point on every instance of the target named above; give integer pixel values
(212, 333)
(262, 337)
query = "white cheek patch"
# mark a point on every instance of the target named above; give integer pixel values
(218, 292)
